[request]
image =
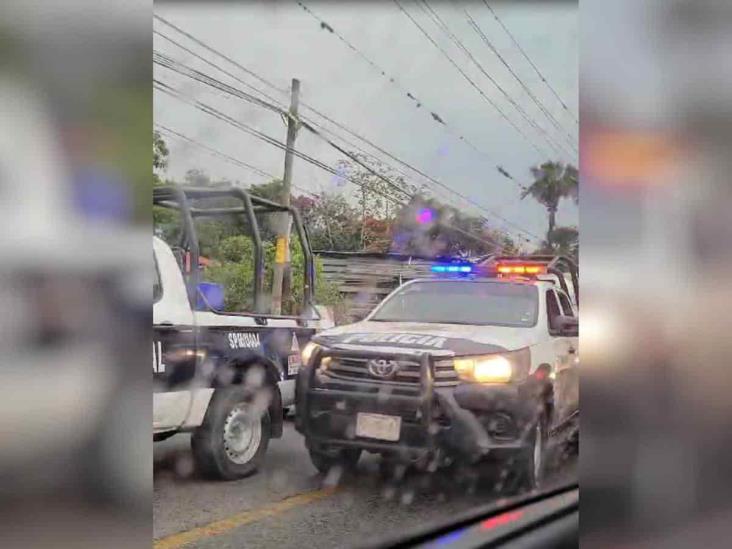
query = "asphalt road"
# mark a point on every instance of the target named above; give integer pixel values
(288, 504)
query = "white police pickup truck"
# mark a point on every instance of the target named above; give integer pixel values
(224, 376)
(451, 369)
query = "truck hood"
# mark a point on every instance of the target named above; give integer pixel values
(456, 339)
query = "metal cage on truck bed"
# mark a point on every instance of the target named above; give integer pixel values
(184, 200)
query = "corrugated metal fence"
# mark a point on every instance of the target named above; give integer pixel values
(364, 279)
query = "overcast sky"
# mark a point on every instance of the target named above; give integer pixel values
(280, 41)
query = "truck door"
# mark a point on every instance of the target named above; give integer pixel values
(566, 383)
(564, 347)
(569, 309)
(173, 335)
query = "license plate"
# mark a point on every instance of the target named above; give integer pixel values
(293, 364)
(378, 426)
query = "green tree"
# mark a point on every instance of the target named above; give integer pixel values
(553, 182)
(380, 190)
(272, 190)
(562, 241)
(160, 153)
(165, 221)
(333, 224)
(232, 266)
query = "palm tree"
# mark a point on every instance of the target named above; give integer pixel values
(553, 181)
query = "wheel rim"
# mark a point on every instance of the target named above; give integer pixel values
(538, 452)
(242, 434)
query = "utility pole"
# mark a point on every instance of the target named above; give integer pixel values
(281, 273)
(363, 216)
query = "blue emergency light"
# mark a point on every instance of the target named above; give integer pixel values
(452, 268)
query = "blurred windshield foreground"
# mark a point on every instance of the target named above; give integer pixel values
(75, 287)
(656, 273)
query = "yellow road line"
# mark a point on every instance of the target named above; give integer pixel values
(240, 519)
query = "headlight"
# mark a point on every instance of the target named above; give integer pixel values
(497, 368)
(307, 352)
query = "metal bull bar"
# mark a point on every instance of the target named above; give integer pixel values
(424, 399)
(466, 437)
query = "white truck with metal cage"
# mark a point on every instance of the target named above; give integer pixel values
(223, 376)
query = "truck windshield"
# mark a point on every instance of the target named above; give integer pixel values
(455, 302)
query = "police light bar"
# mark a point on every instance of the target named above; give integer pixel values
(521, 269)
(452, 268)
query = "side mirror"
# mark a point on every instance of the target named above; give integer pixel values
(209, 296)
(567, 326)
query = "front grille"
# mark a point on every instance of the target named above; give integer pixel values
(356, 368)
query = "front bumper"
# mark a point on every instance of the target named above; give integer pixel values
(466, 420)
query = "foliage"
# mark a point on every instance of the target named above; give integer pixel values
(272, 190)
(160, 153)
(428, 227)
(232, 266)
(377, 194)
(553, 181)
(333, 224)
(165, 221)
(562, 241)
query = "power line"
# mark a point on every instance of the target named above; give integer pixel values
(418, 103)
(443, 26)
(176, 66)
(474, 25)
(243, 82)
(231, 159)
(516, 106)
(241, 163)
(440, 23)
(470, 81)
(171, 64)
(159, 58)
(427, 176)
(211, 50)
(215, 66)
(351, 132)
(165, 88)
(197, 75)
(500, 169)
(538, 72)
(439, 183)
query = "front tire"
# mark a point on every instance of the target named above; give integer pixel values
(233, 438)
(533, 462)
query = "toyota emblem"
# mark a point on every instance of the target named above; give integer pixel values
(383, 368)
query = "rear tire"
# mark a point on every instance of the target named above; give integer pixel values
(324, 461)
(233, 438)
